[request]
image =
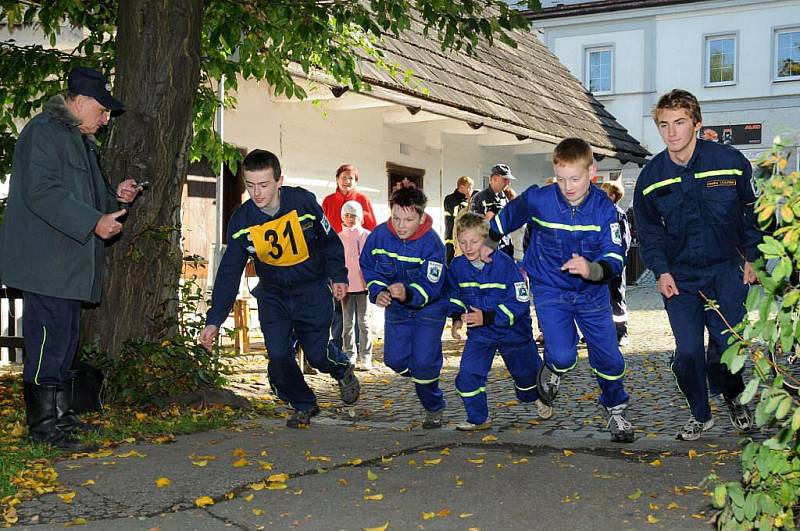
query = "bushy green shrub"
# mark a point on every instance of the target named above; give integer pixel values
(767, 495)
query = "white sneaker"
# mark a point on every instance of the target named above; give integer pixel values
(468, 426)
(693, 429)
(543, 410)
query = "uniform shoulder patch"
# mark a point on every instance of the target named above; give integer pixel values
(325, 224)
(434, 271)
(521, 291)
(616, 234)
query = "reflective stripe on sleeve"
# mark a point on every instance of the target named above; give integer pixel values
(421, 291)
(716, 173)
(660, 184)
(398, 256)
(562, 226)
(508, 314)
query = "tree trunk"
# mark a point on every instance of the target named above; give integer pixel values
(157, 74)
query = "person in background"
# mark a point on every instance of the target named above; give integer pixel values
(355, 305)
(453, 204)
(346, 183)
(490, 200)
(60, 215)
(616, 286)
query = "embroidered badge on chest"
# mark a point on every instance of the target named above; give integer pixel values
(616, 234)
(326, 224)
(434, 271)
(521, 289)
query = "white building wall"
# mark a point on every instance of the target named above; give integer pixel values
(658, 49)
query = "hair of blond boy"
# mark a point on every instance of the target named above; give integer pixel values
(472, 221)
(572, 150)
(464, 180)
(679, 99)
(617, 191)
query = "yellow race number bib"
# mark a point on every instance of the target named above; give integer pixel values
(280, 242)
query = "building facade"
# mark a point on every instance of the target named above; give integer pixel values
(741, 58)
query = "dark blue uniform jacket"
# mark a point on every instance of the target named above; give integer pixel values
(690, 219)
(325, 252)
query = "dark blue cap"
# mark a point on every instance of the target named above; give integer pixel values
(90, 82)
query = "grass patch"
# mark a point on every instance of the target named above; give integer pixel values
(26, 468)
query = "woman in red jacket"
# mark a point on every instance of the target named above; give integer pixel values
(346, 179)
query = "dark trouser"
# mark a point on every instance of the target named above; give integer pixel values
(619, 307)
(559, 312)
(413, 348)
(450, 251)
(50, 326)
(522, 361)
(337, 325)
(302, 312)
(688, 317)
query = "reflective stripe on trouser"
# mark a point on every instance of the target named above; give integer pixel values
(558, 312)
(50, 328)
(619, 307)
(522, 361)
(302, 312)
(693, 369)
(413, 348)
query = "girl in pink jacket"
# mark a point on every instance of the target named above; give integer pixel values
(355, 307)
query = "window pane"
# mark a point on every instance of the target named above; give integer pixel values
(721, 56)
(787, 54)
(599, 71)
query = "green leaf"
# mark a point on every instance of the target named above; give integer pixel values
(738, 363)
(784, 407)
(796, 420)
(720, 495)
(749, 390)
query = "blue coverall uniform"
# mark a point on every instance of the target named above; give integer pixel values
(696, 222)
(500, 291)
(590, 229)
(413, 328)
(297, 255)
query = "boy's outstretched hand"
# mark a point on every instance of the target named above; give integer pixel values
(474, 317)
(577, 265)
(455, 329)
(397, 291)
(208, 335)
(339, 290)
(383, 299)
(486, 253)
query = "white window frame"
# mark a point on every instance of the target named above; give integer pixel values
(587, 53)
(707, 39)
(775, 33)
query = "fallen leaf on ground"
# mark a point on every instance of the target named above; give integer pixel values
(635, 495)
(692, 453)
(258, 512)
(264, 465)
(372, 476)
(238, 452)
(433, 461)
(258, 486)
(200, 463)
(568, 453)
(384, 527)
(655, 462)
(87, 483)
(444, 513)
(278, 477)
(77, 521)
(488, 438)
(163, 482)
(465, 515)
(355, 462)
(478, 461)
(373, 496)
(241, 463)
(249, 497)
(428, 516)
(202, 501)
(672, 505)
(651, 519)
(276, 485)
(67, 497)
(132, 453)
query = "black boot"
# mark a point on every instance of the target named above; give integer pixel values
(40, 409)
(66, 418)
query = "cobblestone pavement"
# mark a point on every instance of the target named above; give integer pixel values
(657, 409)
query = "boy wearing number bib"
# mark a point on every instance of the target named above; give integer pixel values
(299, 260)
(403, 264)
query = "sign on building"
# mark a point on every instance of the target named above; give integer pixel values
(738, 135)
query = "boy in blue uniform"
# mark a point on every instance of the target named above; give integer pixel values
(576, 247)
(492, 299)
(297, 256)
(403, 264)
(694, 216)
